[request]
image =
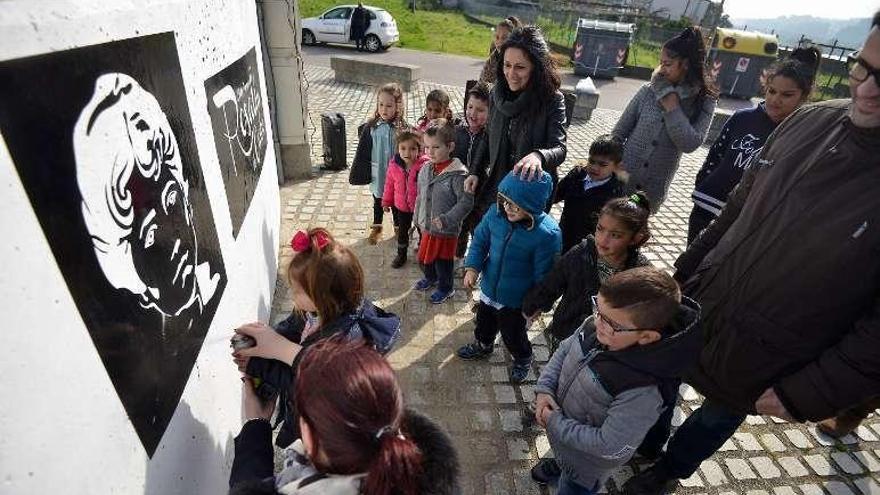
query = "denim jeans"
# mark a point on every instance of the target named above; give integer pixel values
(441, 272)
(701, 434)
(568, 487)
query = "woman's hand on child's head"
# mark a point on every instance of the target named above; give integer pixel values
(251, 405)
(437, 223)
(270, 344)
(471, 183)
(529, 167)
(470, 279)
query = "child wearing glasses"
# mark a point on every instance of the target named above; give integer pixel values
(587, 187)
(620, 232)
(514, 246)
(608, 383)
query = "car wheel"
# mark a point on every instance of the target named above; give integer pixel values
(374, 44)
(308, 37)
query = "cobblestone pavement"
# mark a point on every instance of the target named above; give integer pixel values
(486, 415)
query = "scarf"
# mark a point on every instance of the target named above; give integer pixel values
(501, 146)
(687, 94)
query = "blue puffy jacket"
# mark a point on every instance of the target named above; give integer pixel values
(514, 256)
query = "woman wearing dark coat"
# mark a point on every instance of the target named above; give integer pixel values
(526, 129)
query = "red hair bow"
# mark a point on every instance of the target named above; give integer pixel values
(302, 242)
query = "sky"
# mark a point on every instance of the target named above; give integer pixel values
(836, 9)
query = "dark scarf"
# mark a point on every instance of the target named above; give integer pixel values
(500, 144)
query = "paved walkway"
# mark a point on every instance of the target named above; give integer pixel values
(485, 414)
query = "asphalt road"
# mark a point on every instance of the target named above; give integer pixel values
(455, 70)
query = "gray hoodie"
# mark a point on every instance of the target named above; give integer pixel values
(596, 431)
(442, 196)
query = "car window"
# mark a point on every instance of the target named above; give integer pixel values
(372, 14)
(340, 13)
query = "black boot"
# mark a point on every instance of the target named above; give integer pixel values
(400, 259)
(653, 481)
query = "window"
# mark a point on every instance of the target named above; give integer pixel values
(340, 13)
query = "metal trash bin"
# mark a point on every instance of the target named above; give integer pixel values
(737, 60)
(600, 47)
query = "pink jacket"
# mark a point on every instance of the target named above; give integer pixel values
(400, 184)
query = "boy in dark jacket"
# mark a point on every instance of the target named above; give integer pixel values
(514, 246)
(469, 136)
(607, 384)
(586, 189)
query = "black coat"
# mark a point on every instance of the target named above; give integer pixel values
(541, 129)
(252, 468)
(581, 211)
(574, 277)
(360, 23)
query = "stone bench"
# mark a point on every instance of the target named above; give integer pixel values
(360, 71)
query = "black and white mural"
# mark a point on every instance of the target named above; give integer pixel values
(236, 109)
(102, 140)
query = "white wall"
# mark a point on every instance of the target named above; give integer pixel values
(62, 426)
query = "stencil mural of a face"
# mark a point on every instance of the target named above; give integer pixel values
(135, 198)
(102, 140)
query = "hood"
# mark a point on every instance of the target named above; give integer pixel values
(378, 326)
(455, 167)
(531, 196)
(677, 351)
(440, 475)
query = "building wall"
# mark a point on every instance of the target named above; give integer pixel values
(141, 211)
(676, 9)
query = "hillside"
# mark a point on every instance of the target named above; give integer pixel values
(847, 32)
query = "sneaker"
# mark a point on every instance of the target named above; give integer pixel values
(424, 284)
(519, 372)
(438, 297)
(474, 350)
(546, 471)
(653, 481)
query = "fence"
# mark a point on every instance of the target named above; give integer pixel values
(832, 81)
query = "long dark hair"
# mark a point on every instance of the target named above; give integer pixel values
(689, 45)
(801, 67)
(349, 397)
(544, 80)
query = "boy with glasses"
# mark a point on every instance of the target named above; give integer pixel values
(607, 384)
(513, 247)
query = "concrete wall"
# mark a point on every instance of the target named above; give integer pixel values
(141, 210)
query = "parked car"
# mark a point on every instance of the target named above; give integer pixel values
(334, 26)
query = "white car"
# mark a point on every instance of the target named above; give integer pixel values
(334, 25)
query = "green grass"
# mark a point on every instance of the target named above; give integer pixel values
(643, 54)
(435, 31)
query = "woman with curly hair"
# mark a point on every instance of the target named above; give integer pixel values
(526, 130)
(668, 116)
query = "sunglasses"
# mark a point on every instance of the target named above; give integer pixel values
(861, 71)
(615, 327)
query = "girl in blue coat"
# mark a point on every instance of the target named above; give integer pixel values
(513, 247)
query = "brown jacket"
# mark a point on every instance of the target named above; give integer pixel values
(788, 276)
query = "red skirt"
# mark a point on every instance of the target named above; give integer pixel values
(434, 247)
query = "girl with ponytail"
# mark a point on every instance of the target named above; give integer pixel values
(788, 85)
(357, 437)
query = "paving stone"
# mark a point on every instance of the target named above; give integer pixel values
(620, 476)
(792, 466)
(755, 420)
(866, 434)
(688, 393)
(811, 489)
(747, 441)
(517, 449)
(497, 482)
(727, 446)
(820, 437)
(523, 483)
(765, 467)
(847, 463)
(784, 490)
(504, 394)
(712, 473)
(542, 446)
(481, 419)
(511, 420)
(693, 481)
(820, 465)
(499, 374)
(757, 492)
(678, 417)
(837, 488)
(528, 392)
(541, 353)
(772, 443)
(798, 438)
(740, 469)
(867, 460)
(867, 486)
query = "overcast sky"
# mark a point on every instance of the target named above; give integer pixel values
(838, 9)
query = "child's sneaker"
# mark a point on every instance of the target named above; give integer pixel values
(546, 471)
(474, 350)
(439, 296)
(424, 284)
(519, 372)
